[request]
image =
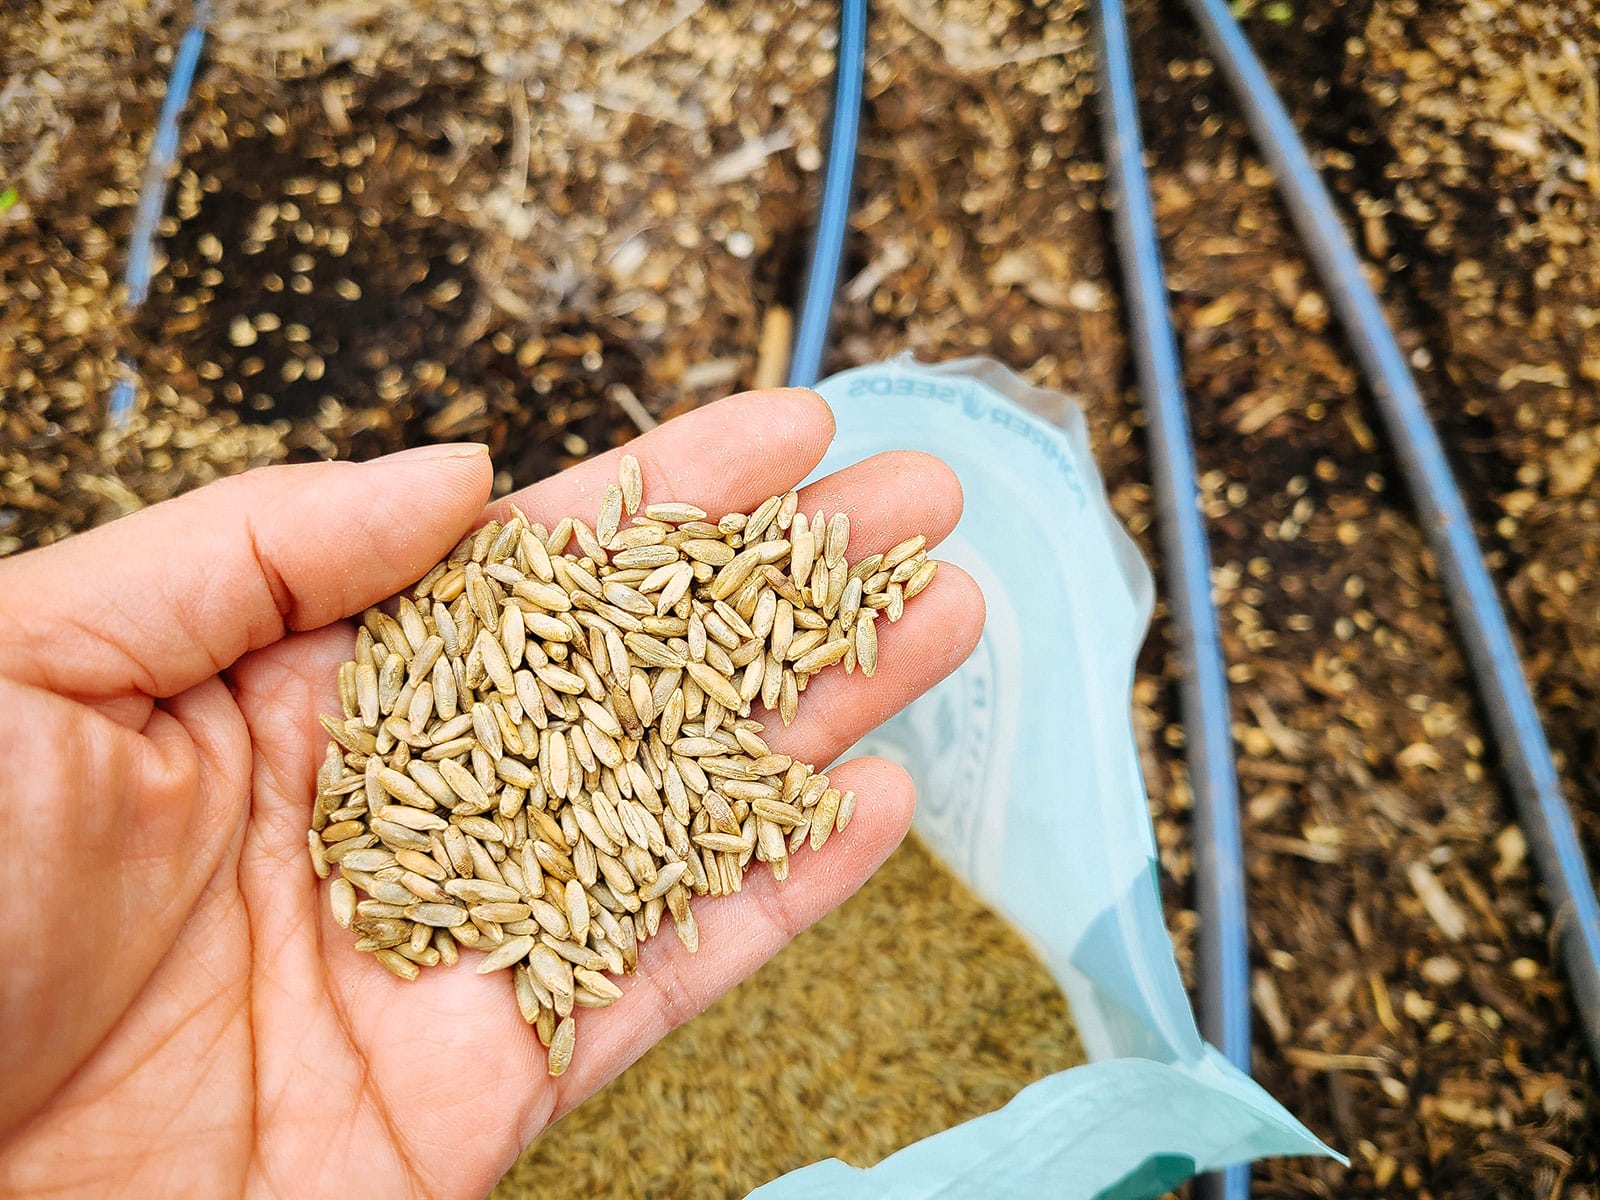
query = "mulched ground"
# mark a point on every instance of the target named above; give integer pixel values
(540, 226)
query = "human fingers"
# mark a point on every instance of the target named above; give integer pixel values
(158, 601)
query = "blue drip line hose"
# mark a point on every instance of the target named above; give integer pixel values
(153, 190)
(833, 221)
(1224, 952)
(1485, 635)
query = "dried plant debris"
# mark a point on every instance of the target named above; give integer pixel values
(980, 228)
(547, 748)
(541, 228)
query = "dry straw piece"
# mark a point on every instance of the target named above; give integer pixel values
(545, 752)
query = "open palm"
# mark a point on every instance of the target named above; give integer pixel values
(181, 1014)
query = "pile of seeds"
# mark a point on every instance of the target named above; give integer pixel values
(544, 752)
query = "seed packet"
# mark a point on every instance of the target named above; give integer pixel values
(1029, 788)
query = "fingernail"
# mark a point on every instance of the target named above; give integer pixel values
(823, 400)
(444, 450)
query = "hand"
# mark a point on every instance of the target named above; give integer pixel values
(181, 1014)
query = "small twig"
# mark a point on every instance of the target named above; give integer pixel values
(622, 396)
(1585, 134)
(515, 186)
(965, 48)
(654, 32)
(1591, 114)
(747, 159)
(1446, 913)
(772, 354)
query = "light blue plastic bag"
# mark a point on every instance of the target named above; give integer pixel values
(1028, 788)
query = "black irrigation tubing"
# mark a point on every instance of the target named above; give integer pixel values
(1485, 635)
(153, 194)
(833, 220)
(1224, 950)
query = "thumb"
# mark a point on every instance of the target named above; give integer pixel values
(158, 601)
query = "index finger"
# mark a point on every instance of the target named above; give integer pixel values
(725, 457)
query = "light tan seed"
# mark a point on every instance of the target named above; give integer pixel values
(716, 685)
(610, 517)
(367, 695)
(749, 790)
(588, 543)
(319, 854)
(613, 654)
(550, 918)
(577, 911)
(397, 964)
(850, 603)
(546, 627)
(762, 517)
(822, 656)
(770, 844)
(907, 569)
(397, 837)
(482, 829)
(549, 597)
(559, 536)
(847, 809)
(731, 577)
(482, 891)
(651, 652)
(405, 790)
(788, 699)
(674, 514)
(495, 663)
(441, 916)
(787, 507)
(897, 554)
(666, 879)
(725, 842)
(688, 931)
(562, 1044)
(527, 1002)
(712, 553)
(464, 784)
(342, 899)
(423, 887)
(427, 777)
(920, 580)
(550, 970)
(411, 818)
(560, 680)
(823, 817)
(597, 983)
(648, 557)
(674, 589)
(507, 954)
(778, 812)
(513, 635)
(866, 644)
(391, 901)
(802, 549)
(631, 480)
(421, 864)
(628, 599)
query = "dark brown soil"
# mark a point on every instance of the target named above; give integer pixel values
(659, 217)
